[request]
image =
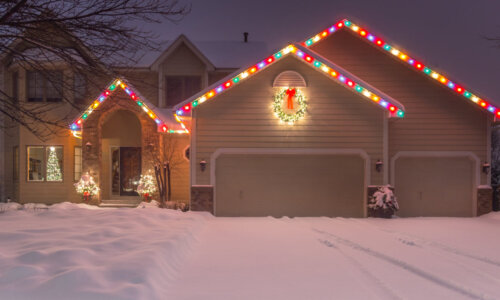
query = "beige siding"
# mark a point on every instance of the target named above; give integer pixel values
(437, 119)
(180, 169)
(243, 118)
(48, 192)
(183, 62)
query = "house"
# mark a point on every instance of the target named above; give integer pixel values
(309, 130)
(312, 129)
(118, 133)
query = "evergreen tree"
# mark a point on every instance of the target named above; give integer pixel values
(53, 169)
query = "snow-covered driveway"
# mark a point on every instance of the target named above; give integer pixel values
(73, 252)
(322, 258)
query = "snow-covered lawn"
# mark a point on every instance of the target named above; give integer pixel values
(79, 252)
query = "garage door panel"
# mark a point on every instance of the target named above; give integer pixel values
(434, 186)
(289, 185)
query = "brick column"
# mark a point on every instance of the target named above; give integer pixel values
(484, 200)
(202, 198)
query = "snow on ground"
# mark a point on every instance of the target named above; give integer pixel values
(71, 251)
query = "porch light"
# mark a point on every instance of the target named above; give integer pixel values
(88, 146)
(378, 165)
(203, 165)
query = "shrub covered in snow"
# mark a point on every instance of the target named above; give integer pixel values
(383, 202)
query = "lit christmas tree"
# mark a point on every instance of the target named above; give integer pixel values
(53, 169)
(87, 187)
(147, 186)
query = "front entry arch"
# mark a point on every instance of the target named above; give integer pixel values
(121, 148)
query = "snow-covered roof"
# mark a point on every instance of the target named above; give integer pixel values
(222, 54)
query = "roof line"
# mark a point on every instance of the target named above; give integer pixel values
(402, 56)
(147, 107)
(174, 45)
(343, 71)
(305, 55)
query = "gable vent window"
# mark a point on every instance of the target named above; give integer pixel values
(289, 79)
(179, 88)
(44, 87)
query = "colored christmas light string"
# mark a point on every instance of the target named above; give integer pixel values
(401, 55)
(292, 50)
(76, 126)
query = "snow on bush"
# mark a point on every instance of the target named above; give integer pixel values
(383, 198)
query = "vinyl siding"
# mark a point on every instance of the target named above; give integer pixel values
(437, 119)
(243, 118)
(48, 192)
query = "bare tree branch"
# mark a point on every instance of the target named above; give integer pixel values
(87, 37)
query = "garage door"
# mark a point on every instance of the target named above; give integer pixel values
(434, 186)
(289, 185)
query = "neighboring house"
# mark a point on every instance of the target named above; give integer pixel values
(119, 140)
(373, 115)
(309, 130)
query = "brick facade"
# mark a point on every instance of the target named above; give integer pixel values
(202, 198)
(484, 200)
(92, 134)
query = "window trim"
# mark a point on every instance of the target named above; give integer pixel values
(44, 84)
(74, 163)
(16, 164)
(83, 98)
(183, 92)
(45, 159)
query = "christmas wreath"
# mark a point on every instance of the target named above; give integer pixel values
(291, 112)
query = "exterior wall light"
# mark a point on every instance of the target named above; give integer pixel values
(88, 146)
(203, 165)
(486, 167)
(378, 165)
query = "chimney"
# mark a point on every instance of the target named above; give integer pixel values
(245, 37)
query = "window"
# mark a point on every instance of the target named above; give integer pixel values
(80, 88)
(78, 163)
(45, 163)
(15, 87)
(46, 87)
(179, 88)
(187, 153)
(15, 162)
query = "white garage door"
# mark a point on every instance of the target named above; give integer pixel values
(289, 185)
(434, 186)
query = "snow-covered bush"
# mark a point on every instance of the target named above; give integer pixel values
(383, 200)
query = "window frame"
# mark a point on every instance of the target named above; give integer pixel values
(15, 165)
(79, 99)
(45, 160)
(15, 86)
(74, 163)
(184, 94)
(44, 87)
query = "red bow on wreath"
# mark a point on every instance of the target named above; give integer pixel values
(290, 93)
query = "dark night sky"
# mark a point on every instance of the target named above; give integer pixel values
(446, 34)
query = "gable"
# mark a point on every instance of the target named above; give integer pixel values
(332, 71)
(185, 50)
(146, 106)
(182, 61)
(401, 56)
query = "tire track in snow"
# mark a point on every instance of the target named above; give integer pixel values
(405, 266)
(436, 248)
(388, 293)
(446, 248)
